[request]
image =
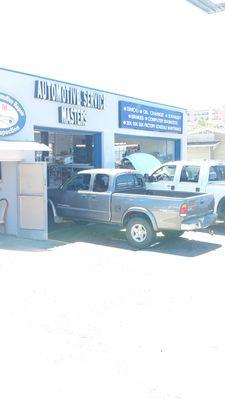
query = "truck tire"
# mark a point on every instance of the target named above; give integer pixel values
(221, 211)
(172, 234)
(139, 232)
(223, 218)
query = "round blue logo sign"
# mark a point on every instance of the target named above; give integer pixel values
(12, 115)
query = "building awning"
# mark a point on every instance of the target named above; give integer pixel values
(11, 145)
(11, 150)
(203, 144)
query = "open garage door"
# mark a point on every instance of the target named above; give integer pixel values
(32, 201)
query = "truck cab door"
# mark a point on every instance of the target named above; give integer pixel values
(215, 183)
(163, 178)
(73, 201)
(100, 199)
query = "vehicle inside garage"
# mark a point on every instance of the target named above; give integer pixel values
(162, 149)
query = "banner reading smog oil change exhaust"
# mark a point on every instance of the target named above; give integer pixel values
(148, 118)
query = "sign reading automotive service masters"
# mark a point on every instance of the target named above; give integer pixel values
(12, 115)
(148, 118)
(74, 101)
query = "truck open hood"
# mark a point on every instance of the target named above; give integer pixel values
(143, 162)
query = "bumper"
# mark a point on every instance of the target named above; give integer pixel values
(199, 223)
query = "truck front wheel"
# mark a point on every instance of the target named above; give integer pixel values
(139, 232)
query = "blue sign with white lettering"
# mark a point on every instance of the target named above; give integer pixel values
(148, 118)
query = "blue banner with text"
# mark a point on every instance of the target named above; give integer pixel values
(148, 118)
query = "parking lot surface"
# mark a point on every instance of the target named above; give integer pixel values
(84, 316)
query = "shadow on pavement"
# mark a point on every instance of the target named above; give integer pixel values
(18, 244)
(111, 236)
(184, 247)
(219, 229)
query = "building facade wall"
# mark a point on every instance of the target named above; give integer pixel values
(219, 151)
(216, 152)
(198, 153)
(43, 114)
(8, 190)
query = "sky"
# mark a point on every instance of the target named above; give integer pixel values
(167, 51)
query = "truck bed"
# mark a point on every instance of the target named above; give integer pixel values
(163, 193)
(164, 205)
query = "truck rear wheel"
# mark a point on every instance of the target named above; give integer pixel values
(172, 234)
(139, 232)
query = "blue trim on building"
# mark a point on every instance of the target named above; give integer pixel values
(145, 137)
(86, 87)
(177, 150)
(63, 130)
(97, 141)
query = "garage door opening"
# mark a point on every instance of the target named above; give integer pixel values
(70, 152)
(164, 150)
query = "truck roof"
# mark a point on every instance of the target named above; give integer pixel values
(198, 162)
(109, 171)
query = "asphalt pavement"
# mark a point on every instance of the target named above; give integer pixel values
(85, 316)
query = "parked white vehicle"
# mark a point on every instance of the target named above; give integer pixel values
(192, 176)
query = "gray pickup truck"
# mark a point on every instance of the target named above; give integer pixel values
(120, 197)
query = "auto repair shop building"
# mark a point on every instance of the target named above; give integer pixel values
(71, 127)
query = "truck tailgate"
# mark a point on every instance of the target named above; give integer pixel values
(199, 205)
